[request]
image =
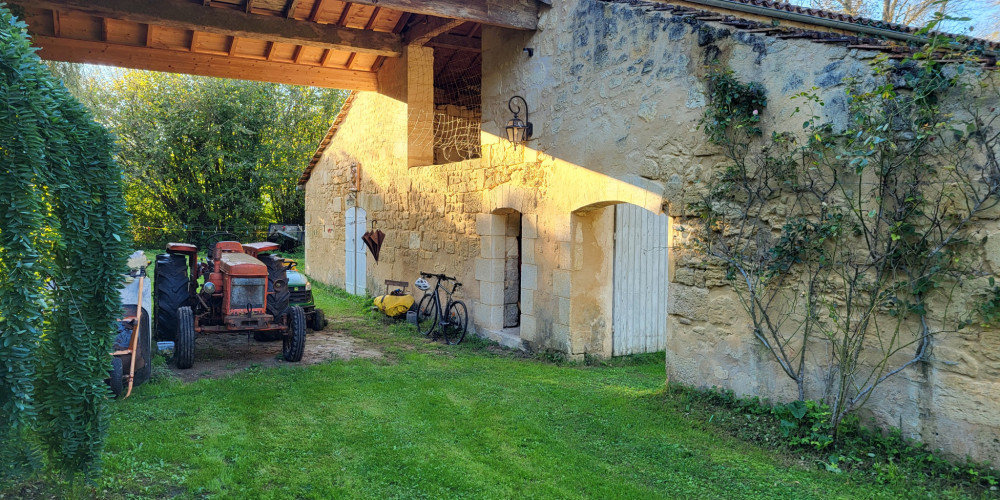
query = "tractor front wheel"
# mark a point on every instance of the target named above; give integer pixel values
(318, 320)
(184, 348)
(295, 341)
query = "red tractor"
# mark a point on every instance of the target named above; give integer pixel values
(245, 289)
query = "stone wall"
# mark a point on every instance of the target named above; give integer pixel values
(618, 91)
(615, 94)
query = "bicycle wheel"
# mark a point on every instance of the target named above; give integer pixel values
(427, 314)
(458, 322)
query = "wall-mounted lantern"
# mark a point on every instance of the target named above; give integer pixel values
(518, 132)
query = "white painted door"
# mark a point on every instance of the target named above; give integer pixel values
(640, 273)
(355, 265)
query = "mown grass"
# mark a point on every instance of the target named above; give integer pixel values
(434, 421)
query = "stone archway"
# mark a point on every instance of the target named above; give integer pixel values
(619, 279)
(506, 253)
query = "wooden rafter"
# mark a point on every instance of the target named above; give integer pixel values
(185, 15)
(422, 33)
(249, 6)
(456, 42)
(197, 63)
(56, 26)
(314, 14)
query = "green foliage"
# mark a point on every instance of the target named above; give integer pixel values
(62, 228)
(203, 155)
(736, 107)
(875, 214)
(873, 456)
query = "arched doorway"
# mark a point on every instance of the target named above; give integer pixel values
(500, 278)
(619, 279)
(640, 281)
(356, 258)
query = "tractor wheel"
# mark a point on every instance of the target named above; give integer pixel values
(295, 342)
(318, 320)
(266, 336)
(277, 282)
(170, 293)
(115, 377)
(184, 345)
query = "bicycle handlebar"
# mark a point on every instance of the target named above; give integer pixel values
(438, 276)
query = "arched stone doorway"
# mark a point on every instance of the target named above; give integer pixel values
(619, 279)
(499, 311)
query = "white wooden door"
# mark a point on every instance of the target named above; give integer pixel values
(355, 265)
(640, 274)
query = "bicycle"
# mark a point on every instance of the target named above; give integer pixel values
(453, 319)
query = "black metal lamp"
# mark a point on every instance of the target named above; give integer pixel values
(518, 131)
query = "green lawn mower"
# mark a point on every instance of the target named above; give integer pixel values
(302, 296)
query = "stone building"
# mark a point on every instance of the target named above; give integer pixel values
(566, 243)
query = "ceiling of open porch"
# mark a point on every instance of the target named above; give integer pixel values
(323, 43)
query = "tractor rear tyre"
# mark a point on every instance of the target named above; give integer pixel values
(295, 342)
(277, 282)
(184, 345)
(115, 377)
(170, 293)
(318, 320)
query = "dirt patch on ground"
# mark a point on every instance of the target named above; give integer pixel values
(220, 354)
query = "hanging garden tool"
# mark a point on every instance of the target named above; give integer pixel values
(373, 240)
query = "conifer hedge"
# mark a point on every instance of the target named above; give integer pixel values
(62, 249)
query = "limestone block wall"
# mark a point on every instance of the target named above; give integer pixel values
(615, 93)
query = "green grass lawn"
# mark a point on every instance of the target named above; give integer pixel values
(434, 421)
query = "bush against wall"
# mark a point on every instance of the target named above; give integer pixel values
(62, 221)
(851, 249)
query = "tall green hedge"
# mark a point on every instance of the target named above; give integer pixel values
(62, 224)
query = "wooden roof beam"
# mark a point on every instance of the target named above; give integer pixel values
(138, 57)
(517, 14)
(422, 33)
(186, 15)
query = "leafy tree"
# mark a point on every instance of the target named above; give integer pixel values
(206, 154)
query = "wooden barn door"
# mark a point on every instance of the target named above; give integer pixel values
(640, 274)
(355, 265)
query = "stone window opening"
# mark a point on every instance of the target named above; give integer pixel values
(457, 105)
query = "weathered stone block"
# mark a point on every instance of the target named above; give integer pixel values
(489, 270)
(490, 225)
(492, 247)
(562, 310)
(529, 276)
(529, 226)
(528, 250)
(414, 242)
(527, 301)
(491, 293)
(529, 327)
(688, 301)
(561, 282)
(511, 315)
(565, 251)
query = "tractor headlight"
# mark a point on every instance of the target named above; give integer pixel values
(208, 287)
(308, 285)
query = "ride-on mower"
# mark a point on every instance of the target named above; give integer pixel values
(245, 290)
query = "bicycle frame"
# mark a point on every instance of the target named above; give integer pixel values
(438, 288)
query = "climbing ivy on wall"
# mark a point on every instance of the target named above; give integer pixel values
(851, 247)
(62, 217)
